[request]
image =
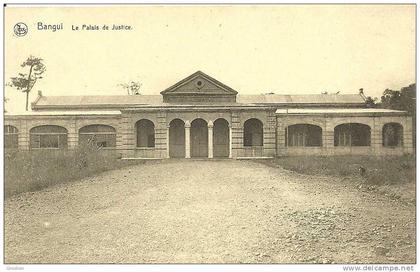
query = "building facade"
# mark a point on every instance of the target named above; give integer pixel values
(202, 117)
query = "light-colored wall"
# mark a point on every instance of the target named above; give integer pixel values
(72, 123)
(268, 118)
(273, 139)
(328, 123)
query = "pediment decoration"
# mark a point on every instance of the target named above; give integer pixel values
(199, 87)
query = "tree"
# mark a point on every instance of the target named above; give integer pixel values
(133, 87)
(371, 102)
(404, 99)
(25, 81)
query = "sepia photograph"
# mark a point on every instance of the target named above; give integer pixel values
(208, 134)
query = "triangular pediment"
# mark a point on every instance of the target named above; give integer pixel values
(199, 84)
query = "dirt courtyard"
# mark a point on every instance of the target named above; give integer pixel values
(200, 211)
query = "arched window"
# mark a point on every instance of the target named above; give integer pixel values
(392, 134)
(253, 132)
(103, 136)
(304, 135)
(11, 135)
(48, 137)
(352, 134)
(145, 133)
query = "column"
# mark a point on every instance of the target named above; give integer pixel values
(24, 135)
(328, 143)
(376, 136)
(281, 135)
(125, 139)
(187, 140)
(161, 136)
(270, 135)
(210, 132)
(230, 141)
(167, 141)
(236, 135)
(73, 134)
(408, 139)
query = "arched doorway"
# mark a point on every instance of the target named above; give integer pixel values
(11, 137)
(48, 137)
(352, 134)
(221, 138)
(145, 133)
(101, 136)
(177, 139)
(300, 135)
(253, 132)
(199, 138)
(392, 135)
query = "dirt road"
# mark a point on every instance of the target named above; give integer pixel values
(225, 211)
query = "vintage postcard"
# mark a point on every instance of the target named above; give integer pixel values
(210, 134)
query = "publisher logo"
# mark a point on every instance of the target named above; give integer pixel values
(20, 29)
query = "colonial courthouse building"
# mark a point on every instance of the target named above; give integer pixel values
(202, 117)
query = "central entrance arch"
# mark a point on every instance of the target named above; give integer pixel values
(177, 139)
(199, 138)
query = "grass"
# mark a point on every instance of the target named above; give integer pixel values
(393, 177)
(378, 170)
(27, 171)
(31, 171)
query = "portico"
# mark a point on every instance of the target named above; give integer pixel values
(199, 139)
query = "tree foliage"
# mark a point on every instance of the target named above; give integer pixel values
(132, 88)
(404, 99)
(25, 81)
(371, 102)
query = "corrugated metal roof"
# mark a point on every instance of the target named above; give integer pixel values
(157, 100)
(302, 99)
(338, 111)
(46, 113)
(100, 100)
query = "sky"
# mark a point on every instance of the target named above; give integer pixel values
(285, 49)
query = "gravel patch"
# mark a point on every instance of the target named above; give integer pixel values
(199, 211)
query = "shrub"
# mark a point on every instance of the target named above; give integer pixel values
(378, 170)
(36, 169)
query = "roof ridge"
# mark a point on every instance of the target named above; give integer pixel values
(126, 95)
(100, 95)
